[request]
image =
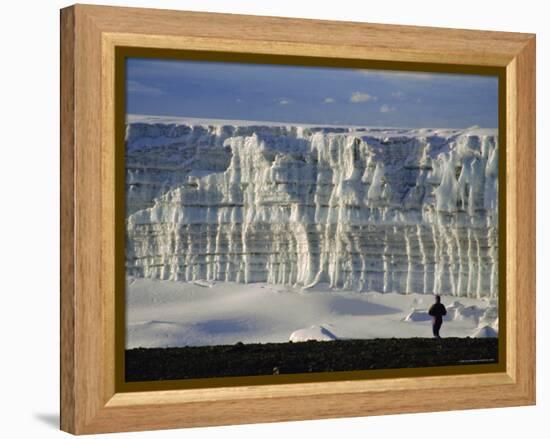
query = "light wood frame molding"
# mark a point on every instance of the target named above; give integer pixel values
(89, 36)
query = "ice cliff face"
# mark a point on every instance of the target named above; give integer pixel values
(362, 209)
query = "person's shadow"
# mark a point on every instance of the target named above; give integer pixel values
(50, 419)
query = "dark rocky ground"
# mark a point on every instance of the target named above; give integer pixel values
(284, 358)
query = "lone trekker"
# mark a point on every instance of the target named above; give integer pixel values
(437, 311)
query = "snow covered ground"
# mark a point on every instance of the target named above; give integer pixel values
(167, 313)
(264, 232)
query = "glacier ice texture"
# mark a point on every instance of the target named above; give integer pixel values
(364, 209)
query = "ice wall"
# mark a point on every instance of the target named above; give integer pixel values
(363, 209)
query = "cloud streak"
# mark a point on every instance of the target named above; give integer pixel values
(401, 75)
(359, 97)
(284, 101)
(143, 89)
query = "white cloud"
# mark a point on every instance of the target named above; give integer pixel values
(398, 95)
(329, 101)
(357, 97)
(386, 109)
(283, 101)
(140, 88)
(239, 101)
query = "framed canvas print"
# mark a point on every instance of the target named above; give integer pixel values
(273, 219)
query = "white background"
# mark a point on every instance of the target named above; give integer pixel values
(29, 188)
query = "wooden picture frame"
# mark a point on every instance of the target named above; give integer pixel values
(91, 402)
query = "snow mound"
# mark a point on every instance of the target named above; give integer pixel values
(469, 312)
(417, 315)
(454, 310)
(485, 332)
(489, 316)
(315, 332)
(204, 283)
(455, 305)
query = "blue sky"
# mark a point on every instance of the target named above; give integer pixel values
(315, 95)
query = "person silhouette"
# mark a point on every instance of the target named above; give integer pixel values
(437, 311)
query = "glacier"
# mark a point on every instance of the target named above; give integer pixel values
(357, 208)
